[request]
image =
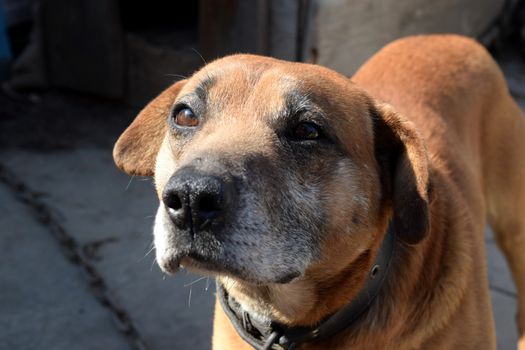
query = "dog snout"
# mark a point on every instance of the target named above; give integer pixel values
(195, 200)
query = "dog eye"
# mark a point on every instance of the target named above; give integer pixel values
(186, 118)
(306, 131)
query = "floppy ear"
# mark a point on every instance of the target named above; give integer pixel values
(136, 149)
(403, 163)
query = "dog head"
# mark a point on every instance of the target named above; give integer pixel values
(270, 172)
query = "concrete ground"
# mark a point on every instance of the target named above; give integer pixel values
(76, 268)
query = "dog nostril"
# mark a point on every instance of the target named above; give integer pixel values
(174, 202)
(209, 204)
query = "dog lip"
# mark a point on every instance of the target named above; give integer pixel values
(201, 262)
(202, 265)
(171, 264)
(287, 278)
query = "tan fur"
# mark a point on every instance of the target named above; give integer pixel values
(442, 106)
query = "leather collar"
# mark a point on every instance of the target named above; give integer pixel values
(272, 335)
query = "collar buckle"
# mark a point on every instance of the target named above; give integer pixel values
(273, 338)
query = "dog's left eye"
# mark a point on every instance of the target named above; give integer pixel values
(185, 118)
(305, 131)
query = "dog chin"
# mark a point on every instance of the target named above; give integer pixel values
(216, 269)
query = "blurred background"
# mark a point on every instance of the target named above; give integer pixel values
(76, 266)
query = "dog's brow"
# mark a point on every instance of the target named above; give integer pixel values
(202, 88)
(297, 101)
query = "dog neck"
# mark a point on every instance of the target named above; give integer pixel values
(264, 333)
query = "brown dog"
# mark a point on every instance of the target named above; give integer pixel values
(285, 180)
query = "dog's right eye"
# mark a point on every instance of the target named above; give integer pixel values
(185, 117)
(305, 131)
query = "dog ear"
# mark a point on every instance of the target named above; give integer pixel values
(403, 163)
(136, 149)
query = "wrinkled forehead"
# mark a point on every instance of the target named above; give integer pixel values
(261, 87)
(265, 85)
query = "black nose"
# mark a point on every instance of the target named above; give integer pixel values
(195, 200)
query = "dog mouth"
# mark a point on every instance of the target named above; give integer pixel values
(215, 267)
(249, 256)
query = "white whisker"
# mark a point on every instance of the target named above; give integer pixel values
(129, 183)
(192, 283)
(148, 253)
(207, 284)
(198, 53)
(176, 76)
